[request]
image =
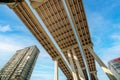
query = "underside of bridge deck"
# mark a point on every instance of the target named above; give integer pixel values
(55, 17)
(26, 15)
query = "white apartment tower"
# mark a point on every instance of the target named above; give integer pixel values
(21, 65)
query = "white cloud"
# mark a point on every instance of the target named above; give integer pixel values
(46, 66)
(106, 54)
(9, 46)
(100, 29)
(97, 21)
(10, 43)
(46, 75)
(115, 36)
(42, 76)
(5, 28)
(8, 28)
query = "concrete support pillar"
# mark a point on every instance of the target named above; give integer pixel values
(102, 65)
(56, 70)
(96, 78)
(80, 72)
(72, 66)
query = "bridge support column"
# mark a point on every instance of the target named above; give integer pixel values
(80, 72)
(102, 65)
(72, 66)
(56, 70)
(96, 78)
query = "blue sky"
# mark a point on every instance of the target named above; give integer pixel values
(104, 23)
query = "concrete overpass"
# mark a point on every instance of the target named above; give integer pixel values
(66, 21)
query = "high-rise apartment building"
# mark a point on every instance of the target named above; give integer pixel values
(21, 65)
(114, 66)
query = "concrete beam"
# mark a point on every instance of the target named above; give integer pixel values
(95, 76)
(37, 3)
(56, 70)
(81, 75)
(72, 65)
(102, 65)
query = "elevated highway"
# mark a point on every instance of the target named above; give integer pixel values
(67, 23)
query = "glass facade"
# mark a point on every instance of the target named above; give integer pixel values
(20, 66)
(114, 66)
